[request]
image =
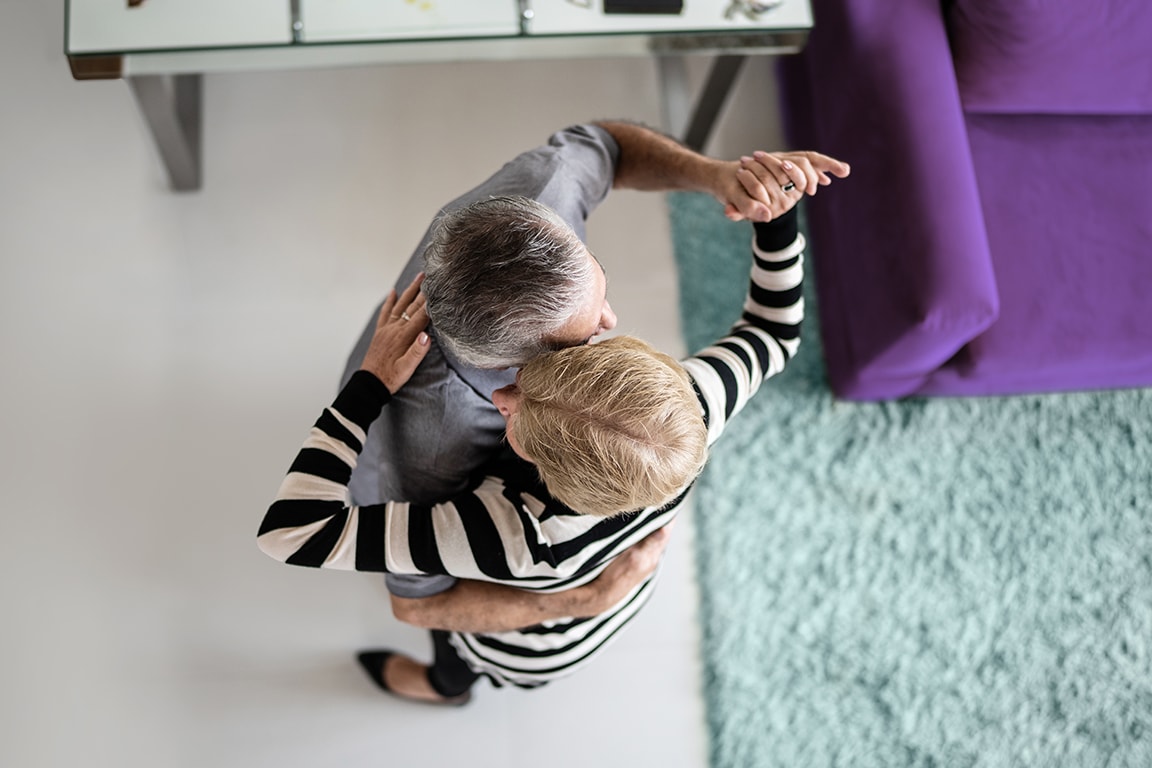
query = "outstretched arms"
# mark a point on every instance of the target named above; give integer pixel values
(750, 188)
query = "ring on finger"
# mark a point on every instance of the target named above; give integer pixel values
(404, 316)
(788, 187)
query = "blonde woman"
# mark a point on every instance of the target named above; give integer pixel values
(607, 440)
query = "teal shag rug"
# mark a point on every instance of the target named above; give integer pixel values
(932, 583)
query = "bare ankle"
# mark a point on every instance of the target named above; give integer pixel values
(408, 677)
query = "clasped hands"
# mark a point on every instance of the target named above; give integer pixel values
(766, 185)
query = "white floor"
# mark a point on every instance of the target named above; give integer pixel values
(163, 354)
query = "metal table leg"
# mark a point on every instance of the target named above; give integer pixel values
(695, 125)
(171, 106)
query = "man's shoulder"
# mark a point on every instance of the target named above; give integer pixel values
(572, 172)
(438, 377)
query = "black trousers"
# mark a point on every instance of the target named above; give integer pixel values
(448, 675)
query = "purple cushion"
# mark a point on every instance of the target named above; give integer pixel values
(1062, 57)
(1067, 205)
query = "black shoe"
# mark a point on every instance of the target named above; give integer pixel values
(373, 663)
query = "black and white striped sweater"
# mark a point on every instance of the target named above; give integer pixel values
(508, 530)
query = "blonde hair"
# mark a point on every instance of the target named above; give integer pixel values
(612, 427)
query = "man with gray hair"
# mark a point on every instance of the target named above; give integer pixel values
(508, 277)
(477, 253)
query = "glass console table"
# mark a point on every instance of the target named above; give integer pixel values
(162, 47)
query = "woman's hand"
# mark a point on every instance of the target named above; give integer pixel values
(400, 342)
(768, 184)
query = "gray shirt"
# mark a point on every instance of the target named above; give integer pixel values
(441, 427)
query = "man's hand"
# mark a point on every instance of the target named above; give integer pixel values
(480, 606)
(768, 184)
(624, 574)
(400, 342)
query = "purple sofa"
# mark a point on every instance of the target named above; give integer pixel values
(995, 236)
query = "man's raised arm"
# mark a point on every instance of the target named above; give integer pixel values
(651, 161)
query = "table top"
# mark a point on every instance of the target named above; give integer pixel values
(175, 35)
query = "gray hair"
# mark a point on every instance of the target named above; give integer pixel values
(502, 275)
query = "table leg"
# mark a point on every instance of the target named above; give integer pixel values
(695, 126)
(675, 102)
(171, 107)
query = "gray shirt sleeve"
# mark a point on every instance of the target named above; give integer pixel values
(417, 585)
(439, 430)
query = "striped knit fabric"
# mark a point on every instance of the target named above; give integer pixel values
(508, 530)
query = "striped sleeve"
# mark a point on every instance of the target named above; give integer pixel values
(310, 522)
(488, 533)
(767, 335)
